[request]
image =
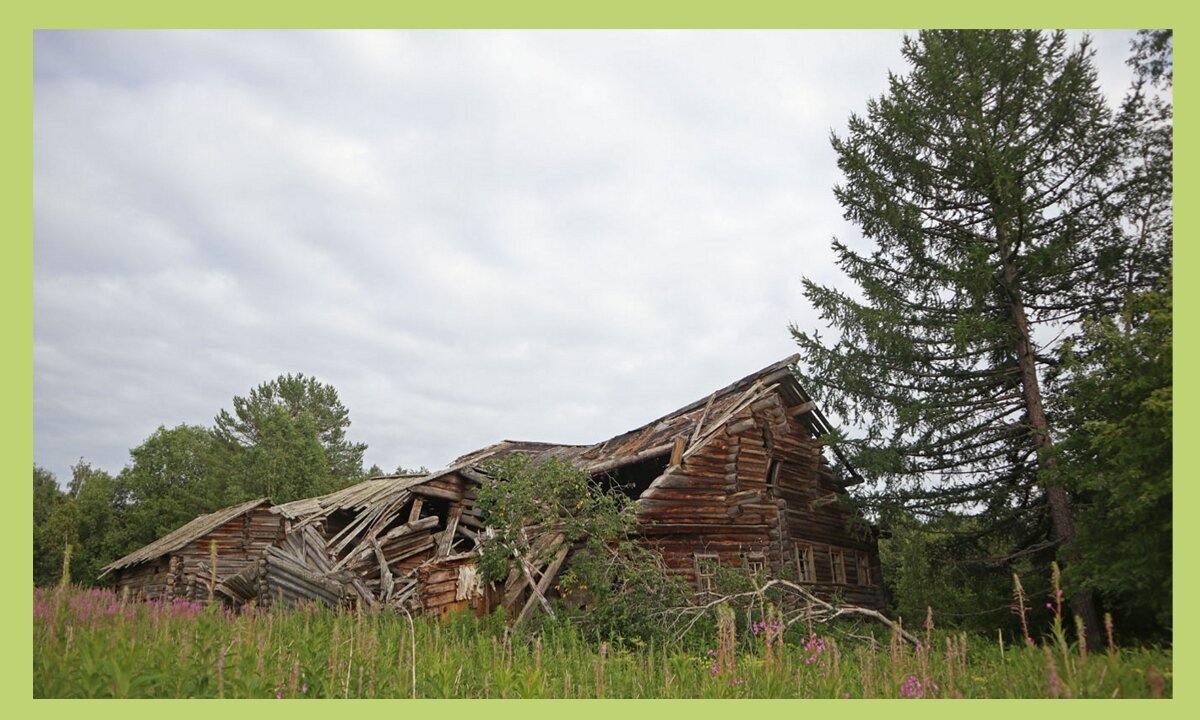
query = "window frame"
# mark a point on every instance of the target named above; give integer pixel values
(837, 566)
(704, 580)
(863, 566)
(806, 563)
(756, 558)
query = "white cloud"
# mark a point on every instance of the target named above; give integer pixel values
(471, 235)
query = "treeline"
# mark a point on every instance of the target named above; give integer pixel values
(286, 440)
(1006, 348)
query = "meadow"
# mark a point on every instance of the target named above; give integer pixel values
(89, 643)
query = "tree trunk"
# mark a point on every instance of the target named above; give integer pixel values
(1060, 503)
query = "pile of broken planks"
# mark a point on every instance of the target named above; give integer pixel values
(363, 544)
(401, 542)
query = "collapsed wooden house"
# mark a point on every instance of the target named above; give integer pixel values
(178, 565)
(735, 480)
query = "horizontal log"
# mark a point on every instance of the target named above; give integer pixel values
(765, 404)
(708, 530)
(471, 520)
(713, 493)
(474, 476)
(741, 426)
(618, 462)
(744, 496)
(304, 590)
(436, 492)
(683, 503)
(802, 409)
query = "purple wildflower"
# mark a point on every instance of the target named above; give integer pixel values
(913, 687)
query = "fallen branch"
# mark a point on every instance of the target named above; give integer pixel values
(826, 611)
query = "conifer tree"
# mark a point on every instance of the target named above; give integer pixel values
(983, 184)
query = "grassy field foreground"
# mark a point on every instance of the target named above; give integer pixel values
(88, 643)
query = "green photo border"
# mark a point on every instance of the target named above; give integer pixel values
(18, 26)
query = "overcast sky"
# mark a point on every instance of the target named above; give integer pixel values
(473, 236)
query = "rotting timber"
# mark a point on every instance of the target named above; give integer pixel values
(735, 479)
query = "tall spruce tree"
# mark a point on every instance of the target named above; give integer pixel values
(983, 180)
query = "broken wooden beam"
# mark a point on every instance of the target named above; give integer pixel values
(677, 450)
(433, 491)
(448, 534)
(656, 451)
(547, 577)
(801, 409)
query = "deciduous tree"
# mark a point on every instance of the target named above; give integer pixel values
(287, 439)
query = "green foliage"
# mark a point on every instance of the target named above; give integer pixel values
(524, 500)
(1004, 206)
(172, 477)
(287, 440)
(90, 644)
(980, 162)
(92, 521)
(612, 587)
(957, 564)
(55, 524)
(620, 591)
(1118, 394)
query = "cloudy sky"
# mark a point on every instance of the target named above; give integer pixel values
(473, 236)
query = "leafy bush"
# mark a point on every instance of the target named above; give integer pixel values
(611, 587)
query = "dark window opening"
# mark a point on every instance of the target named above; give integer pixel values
(864, 569)
(837, 561)
(632, 480)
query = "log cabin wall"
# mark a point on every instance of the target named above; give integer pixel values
(696, 510)
(148, 581)
(756, 495)
(186, 572)
(453, 584)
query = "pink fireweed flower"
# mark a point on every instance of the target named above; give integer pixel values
(814, 647)
(913, 687)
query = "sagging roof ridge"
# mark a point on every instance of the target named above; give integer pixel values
(591, 455)
(595, 452)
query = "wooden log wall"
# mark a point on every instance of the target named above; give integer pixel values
(451, 585)
(759, 486)
(147, 581)
(240, 542)
(186, 573)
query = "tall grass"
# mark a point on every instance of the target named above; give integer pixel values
(92, 643)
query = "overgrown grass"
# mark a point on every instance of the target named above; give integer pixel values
(88, 643)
